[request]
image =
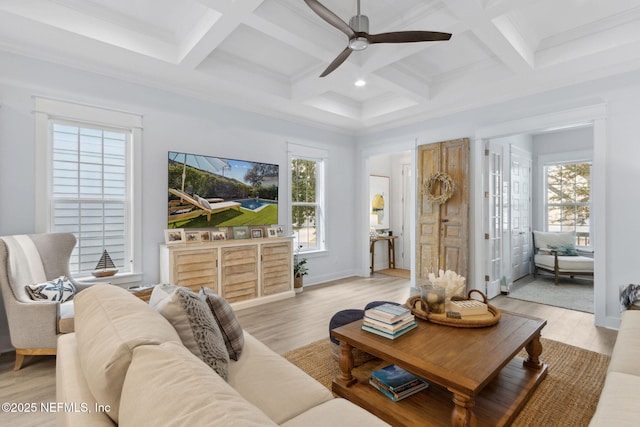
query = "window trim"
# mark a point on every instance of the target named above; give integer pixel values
(48, 109)
(320, 156)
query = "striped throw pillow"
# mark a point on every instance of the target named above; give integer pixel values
(227, 321)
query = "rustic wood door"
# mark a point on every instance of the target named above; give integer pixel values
(443, 229)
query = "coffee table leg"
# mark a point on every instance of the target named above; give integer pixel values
(534, 349)
(463, 415)
(345, 378)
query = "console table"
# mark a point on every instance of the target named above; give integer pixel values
(245, 272)
(391, 248)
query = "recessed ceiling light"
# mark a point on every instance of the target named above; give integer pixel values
(360, 83)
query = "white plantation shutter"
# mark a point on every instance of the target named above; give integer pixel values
(89, 191)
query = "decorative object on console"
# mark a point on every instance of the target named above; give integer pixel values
(105, 266)
(174, 236)
(192, 236)
(241, 232)
(256, 233)
(218, 235)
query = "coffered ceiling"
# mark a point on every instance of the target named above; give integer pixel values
(266, 55)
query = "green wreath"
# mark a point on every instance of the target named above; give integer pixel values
(447, 187)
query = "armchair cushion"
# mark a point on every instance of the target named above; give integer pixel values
(565, 263)
(60, 290)
(546, 239)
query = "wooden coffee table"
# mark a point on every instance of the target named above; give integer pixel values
(474, 376)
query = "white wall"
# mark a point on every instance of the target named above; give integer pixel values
(171, 122)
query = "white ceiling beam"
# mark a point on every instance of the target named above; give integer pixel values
(499, 35)
(292, 39)
(218, 26)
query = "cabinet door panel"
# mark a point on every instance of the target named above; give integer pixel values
(277, 267)
(240, 273)
(196, 268)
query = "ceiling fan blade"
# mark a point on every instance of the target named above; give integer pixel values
(407, 37)
(330, 17)
(337, 62)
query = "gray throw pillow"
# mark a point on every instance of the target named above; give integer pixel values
(227, 321)
(194, 323)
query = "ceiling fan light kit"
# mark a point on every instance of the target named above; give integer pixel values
(358, 32)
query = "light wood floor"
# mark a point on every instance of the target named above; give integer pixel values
(292, 323)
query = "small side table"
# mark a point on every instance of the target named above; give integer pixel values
(142, 292)
(391, 248)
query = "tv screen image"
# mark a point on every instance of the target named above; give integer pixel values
(207, 191)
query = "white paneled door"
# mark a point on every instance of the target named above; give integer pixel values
(520, 213)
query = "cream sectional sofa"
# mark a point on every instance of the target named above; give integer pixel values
(125, 365)
(618, 405)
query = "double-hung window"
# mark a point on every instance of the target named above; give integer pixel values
(87, 156)
(568, 198)
(307, 197)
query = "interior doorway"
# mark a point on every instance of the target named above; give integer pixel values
(520, 201)
(398, 167)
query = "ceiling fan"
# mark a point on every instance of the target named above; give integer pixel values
(358, 32)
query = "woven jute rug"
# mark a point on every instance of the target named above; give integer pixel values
(566, 397)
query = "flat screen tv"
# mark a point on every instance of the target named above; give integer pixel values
(209, 192)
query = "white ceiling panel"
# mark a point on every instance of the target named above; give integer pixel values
(267, 55)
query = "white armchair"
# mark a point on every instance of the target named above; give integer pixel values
(34, 326)
(555, 252)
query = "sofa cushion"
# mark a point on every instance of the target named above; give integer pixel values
(110, 323)
(257, 371)
(226, 320)
(195, 324)
(618, 404)
(626, 352)
(158, 372)
(59, 289)
(335, 412)
(72, 389)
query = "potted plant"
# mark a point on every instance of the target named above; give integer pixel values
(299, 270)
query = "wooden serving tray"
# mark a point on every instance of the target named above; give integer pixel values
(420, 309)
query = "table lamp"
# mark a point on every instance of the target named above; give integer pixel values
(373, 221)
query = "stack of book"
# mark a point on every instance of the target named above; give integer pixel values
(396, 383)
(388, 320)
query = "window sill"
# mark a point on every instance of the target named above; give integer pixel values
(118, 279)
(314, 254)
